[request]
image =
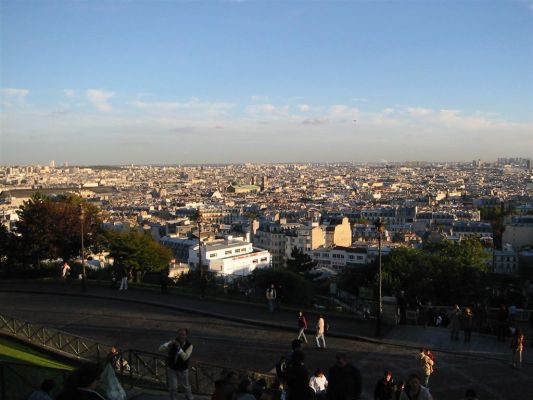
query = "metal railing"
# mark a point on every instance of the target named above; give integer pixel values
(134, 368)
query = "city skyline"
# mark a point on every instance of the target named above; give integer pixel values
(232, 82)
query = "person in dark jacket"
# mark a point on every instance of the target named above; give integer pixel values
(298, 378)
(81, 385)
(344, 380)
(178, 353)
(302, 326)
(385, 387)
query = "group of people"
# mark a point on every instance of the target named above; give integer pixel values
(320, 329)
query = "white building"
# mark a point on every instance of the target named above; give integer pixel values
(231, 256)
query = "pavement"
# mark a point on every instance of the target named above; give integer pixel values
(247, 336)
(437, 339)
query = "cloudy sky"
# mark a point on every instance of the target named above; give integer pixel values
(119, 82)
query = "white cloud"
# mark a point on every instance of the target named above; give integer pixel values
(13, 97)
(315, 121)
(194, 105)
(267, 109)
(388, 110)
(12, 92)
(303, 107)
(99, 98)
(69, 93)
(419, 112)
(360, 99)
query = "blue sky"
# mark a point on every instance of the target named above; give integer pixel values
(242, 81)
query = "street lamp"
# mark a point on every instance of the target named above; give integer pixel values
(83, 274)
(380, 227)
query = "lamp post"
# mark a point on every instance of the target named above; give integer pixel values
(83, 275)
(380, 227)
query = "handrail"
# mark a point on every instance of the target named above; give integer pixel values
(135, 367)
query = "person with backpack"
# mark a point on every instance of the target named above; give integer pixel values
(320, 331)
(302, 326)
(178, 354)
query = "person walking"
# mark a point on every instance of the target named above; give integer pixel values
(320, 331)
(517, 347)
(414, 390)
(271, 297)
(302, 326)
(468, 323)
(344, 380)
(385, 387)
(178, 354)
(426, 363)
(298, 378)
(455, 322)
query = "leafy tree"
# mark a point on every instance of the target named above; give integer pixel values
(137, 251)
(51, 227)
(300, 263)
(495, 215)
(445, 272)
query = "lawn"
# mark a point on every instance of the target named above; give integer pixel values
(11, 350)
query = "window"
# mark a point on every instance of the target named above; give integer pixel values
(227, 252)
(255, 261)
(237, 250)
(263, 259)
(213, 255)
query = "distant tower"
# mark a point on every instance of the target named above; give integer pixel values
(264, 183)
(252, 180)
(52, 164)
(528, 164)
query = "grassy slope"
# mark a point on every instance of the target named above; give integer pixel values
(11, 350)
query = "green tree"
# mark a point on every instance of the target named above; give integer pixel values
(51, 227)
(137, 251)
(300, 263)
(495, 215)
(445, 272)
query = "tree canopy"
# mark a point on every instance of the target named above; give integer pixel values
(50, 228)
(445, 272)
(136, 251)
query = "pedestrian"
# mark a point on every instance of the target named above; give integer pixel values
(319, 384)
(399, 390)
(124, 274)
(344, 380)
(320, 331)
(297, 378)
(426, 363)
(455, 322)
(65, 271)
(271, 297)
(44, 392)
(414, 390)
(502, 320)
(468, 322)
(302, 326)
(178, 354)
(82, 384)
(385, 387)
(517, 347)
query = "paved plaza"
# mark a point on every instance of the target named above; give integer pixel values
(246, 336)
